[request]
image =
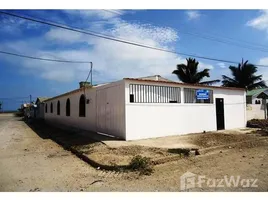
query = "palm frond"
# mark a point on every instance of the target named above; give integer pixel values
(210, 82)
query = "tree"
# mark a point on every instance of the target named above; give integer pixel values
(244, 77)
(188, 73)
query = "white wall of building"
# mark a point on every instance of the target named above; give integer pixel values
(148, 120)
(40, 111)
(255, 111)
(111, 109)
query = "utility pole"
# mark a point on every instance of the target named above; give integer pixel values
(91, 66)
(30, 99)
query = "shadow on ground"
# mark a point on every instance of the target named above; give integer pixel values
(68, 137)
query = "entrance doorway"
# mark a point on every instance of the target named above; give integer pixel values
(220, 113)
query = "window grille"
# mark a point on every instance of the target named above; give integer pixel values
(190, 96)
(154, 94)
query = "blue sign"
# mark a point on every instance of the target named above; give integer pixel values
(202, 94)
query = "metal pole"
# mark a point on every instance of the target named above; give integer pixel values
(30, 99)
(91, 63)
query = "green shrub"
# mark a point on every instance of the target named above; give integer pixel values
(257, 123)
(141, 164)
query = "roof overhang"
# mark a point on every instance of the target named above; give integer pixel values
(263, 95)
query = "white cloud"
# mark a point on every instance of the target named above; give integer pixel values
(221, 65)
(102, 14)
(263, 61)
(263, 70)
(193, 14)
(260, 22)
(14, 26)
(63, 35)
(112, 60)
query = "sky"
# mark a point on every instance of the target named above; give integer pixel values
(225, 34)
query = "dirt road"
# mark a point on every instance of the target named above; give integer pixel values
(31, 162)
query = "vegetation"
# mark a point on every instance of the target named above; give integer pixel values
(257, 123)
(189, 73)
(141, 164)
(244, 77)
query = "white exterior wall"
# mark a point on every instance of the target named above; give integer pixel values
(115, 126)
(255, 111)
(148, 120)
(40, 111)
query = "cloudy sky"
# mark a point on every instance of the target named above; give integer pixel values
(230, 35)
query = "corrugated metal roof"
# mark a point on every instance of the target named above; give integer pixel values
(256, 91)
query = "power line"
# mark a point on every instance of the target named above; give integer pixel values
(112, 11)
(44, 59)
(121, 40)
(14, 98)
(237, 42)
(246, 46)
(7, 98)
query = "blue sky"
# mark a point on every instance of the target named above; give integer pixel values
(20, 77)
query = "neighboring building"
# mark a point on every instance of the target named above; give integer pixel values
(252, 96)
(25, 108)
(40, 107)
(139, 108)
(256, 105)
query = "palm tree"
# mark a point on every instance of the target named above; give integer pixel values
(189, 74)
(244, 77)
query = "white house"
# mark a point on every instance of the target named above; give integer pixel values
(40, 107)
(139, 108)
(256, 106)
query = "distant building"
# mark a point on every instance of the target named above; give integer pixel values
(148, 107)
(40, 107)
(257, 103)
(252, 96)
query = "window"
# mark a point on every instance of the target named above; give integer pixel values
(257, 101)
(46, 108)
(190, 96)
(58, 108)
(68, 107)
(154, 94)
(249, 100)
(82, 106)
(51, 107)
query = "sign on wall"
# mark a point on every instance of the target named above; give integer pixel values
(202, 94)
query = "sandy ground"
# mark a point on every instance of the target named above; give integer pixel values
(29, 162)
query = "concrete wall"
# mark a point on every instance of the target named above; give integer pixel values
(255, 111)
(148, 120)
(89, 122)
(40, 111)
(110, 113)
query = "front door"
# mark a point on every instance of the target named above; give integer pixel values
(220, 113)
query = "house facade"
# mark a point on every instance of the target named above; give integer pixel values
(256, 106)
(40, 107)
(139, 108)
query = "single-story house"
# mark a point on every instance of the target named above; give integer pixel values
(40, 107)
(256, 104)
(148, 107)
(252, 95)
